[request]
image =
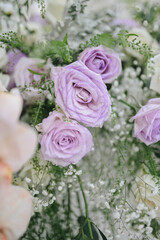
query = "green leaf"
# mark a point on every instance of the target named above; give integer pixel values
(58, 51)
(131, 34)
(65, 40)
(84, 230)
(106, 40)
(33, 72)
(14, 40)
(82, 237)
(102, 235)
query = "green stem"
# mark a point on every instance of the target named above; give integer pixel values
(86, 207)
(69, 205)
(79, 203)
(127, 104)
(69, 209)
(35, 122)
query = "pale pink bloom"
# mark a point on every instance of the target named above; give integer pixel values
(4, 82)
(17, 140)
(5, 174)
(15, 211)
(17, 144)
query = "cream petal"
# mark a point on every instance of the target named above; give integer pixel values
(2, 235)
(18, 146)
(4, 81)
(5, 128)
(10, 106)
(55, 10)
(15, 209)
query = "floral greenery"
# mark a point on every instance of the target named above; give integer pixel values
(149, 17)
(142, 48)
(12, 40)
(104, 39)
(60, 52)
(42, 6)
(150, 14)
(38, 112)
(50, 217)
(76, 8)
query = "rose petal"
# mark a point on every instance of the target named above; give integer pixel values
(17, 145)
(15, 211)
(147, 122)
(10, 106)
(5, 173)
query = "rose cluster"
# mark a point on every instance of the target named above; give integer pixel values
(80, 92)
(83, 97)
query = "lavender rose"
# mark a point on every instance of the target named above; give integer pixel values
(82, 94)
(13, 59)
(24, 77)
(102, 61)
(124, 22)
(62, 142)
(147, 122)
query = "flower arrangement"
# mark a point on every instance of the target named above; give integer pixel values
(83, 160)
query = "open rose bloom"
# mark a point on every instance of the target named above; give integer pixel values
(17, 145)
(63, 142)
(147, 122)
(82, 94)
(103, 61)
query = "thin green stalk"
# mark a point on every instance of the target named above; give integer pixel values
(69, 201)
(127, 104)
(86, 207)
(69, 205)
(35, 122)
(79, 203)
(69, 209)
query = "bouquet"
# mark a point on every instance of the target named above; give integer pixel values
(79, 120)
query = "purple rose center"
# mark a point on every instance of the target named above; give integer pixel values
(65, 141)
(82, 95)
(98, 63)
